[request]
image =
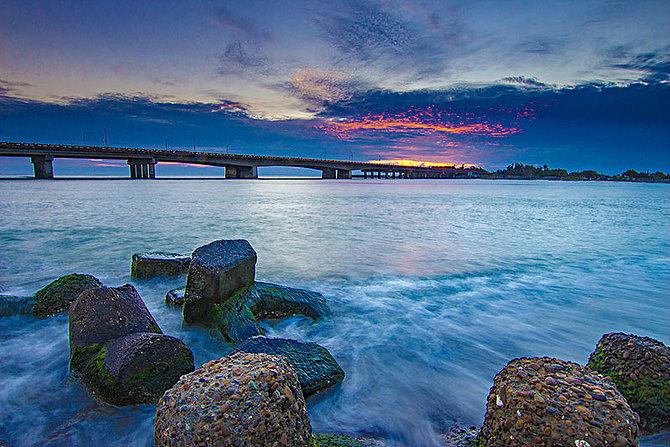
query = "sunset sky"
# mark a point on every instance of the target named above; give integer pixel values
(574, 84)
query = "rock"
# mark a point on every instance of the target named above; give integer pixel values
(106, 313)
(238, 317)
(16, 305)
(175, 297)
(274, 301)
(331, 440)
(640, 368)
(316, 368)
(149, 265)
(251, 400)
(118, 350)
(459, 436)
(57, 296)
(216, 272)
(134, 369)
(523, 409)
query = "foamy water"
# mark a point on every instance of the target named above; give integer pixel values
(434, 286)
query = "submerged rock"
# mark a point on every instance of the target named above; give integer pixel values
(16, 305)
(545, 401)
(57, 296)
(149, 265)
(640, 368)
(460, 436)
(175, 297)
(316, 368)
(238, 317)
(118, 350)
(332, 440)
(216, 272)
(251, 400)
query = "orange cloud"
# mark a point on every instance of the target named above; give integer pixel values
(419, 122)
(421, 164)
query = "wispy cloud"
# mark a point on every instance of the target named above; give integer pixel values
(244, 57)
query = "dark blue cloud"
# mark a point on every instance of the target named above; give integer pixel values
(596, 126)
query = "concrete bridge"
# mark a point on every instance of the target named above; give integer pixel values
(142, 162)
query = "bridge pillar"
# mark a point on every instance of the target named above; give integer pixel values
(43, 166)
(246, 172)
(142, 168)
(343, 174)
(365, 174)
(393, 174)
(379, 174)
(328, 173)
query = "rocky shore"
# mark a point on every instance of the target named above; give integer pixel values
(257, 395)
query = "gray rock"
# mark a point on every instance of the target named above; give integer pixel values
(106, 313)
(175, 297)
(316, 368)
(118, 350)
(216, 272)
(57, 296)
(238, 317)
(16, 305)
(149, 265)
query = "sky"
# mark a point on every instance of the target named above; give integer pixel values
(573, 84)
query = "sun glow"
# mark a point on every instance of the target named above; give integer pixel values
(422, 164)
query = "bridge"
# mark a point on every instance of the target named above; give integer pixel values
(142, 162)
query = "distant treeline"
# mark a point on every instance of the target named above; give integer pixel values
(522, 171)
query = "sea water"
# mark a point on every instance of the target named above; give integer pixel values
(434, 286)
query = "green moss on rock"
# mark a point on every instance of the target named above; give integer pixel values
(88, 363)
(57, 296)
(237, 318)
(640, 368)
(330, 440)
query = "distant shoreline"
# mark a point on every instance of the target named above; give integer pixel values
(355, 177)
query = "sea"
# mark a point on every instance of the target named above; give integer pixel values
(433, 285)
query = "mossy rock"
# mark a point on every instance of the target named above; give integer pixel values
(234, 319)
(135, 369)
(57, 296)
(238, 317)
(316, 368)
(16, 305)
(640, 368)
(330, 440)
(217, 270)
(149, 265)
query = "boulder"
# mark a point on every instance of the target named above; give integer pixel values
(216, 272)
(106, 313)
(57, 296)
(238, 317)
(550, 402)
(16, 305)
(251, 400)
(134, 369)
(118, 350)
(640, 368)
(175, 297)
(316, 368)
(149, 265)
